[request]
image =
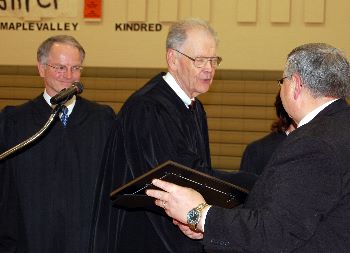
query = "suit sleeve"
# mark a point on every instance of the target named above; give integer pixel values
(297, 190)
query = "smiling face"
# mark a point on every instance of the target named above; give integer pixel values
(192, 80)
(60, 55)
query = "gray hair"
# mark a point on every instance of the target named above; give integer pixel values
(177, 34)
(323, 69)
(45, 47)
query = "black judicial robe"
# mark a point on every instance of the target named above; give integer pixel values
(47, 189)
(153, 126)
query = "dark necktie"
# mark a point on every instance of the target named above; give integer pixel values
(64, 115)
(192, 106)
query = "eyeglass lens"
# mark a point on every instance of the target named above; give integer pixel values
(280, 81)
(200, 62)
(64, 69)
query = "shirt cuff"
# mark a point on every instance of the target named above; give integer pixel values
(203, 217)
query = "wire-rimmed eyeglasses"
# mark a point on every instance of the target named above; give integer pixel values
(200, 62)
(61, 69)
(280, 81)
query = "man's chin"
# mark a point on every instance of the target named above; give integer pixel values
(205, 85)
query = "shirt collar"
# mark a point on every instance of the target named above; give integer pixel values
(313, 113)
(169, 79)
(69, 104)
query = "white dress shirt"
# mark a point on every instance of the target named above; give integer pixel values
(169, 79)
(69, 104)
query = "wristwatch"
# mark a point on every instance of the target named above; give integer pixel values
(194, 216)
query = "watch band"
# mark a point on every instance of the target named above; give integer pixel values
(200, 207)
(198, 213)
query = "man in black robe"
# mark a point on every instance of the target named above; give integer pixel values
(158, 123)
(47, 188)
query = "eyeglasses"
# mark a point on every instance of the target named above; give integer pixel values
(61, 69)
(280, 81)
(200, 62)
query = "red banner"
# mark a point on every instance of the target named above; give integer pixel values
(93, 9)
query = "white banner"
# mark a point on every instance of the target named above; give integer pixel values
(37, 9)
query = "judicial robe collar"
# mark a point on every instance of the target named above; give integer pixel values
(170, 80)
(43, 111)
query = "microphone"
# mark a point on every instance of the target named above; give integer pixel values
(67, 93)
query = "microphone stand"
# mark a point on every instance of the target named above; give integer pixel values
(24, 143)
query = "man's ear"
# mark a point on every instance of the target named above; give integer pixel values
(171, 58)
(41, 69)
(297, 85)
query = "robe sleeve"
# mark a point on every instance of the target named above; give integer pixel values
(144, 135)
(9, 209)
(153, 136)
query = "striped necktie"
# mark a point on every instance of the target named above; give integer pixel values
(64, 115)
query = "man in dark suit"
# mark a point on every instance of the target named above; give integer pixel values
(47, 188)
(301, 202)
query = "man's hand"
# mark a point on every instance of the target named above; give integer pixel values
(187, 231)
(176, 200)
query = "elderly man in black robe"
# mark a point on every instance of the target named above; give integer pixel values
(158, 123)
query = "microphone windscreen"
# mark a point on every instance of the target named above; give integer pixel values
(79, 86)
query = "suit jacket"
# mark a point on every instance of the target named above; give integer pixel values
(47, 188)
(301, 202)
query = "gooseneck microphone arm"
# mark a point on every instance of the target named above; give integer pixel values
(34, 137)
(53, 114)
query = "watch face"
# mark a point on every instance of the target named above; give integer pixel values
(193, 216)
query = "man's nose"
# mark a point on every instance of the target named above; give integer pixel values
(208, 66)
(68, 73)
